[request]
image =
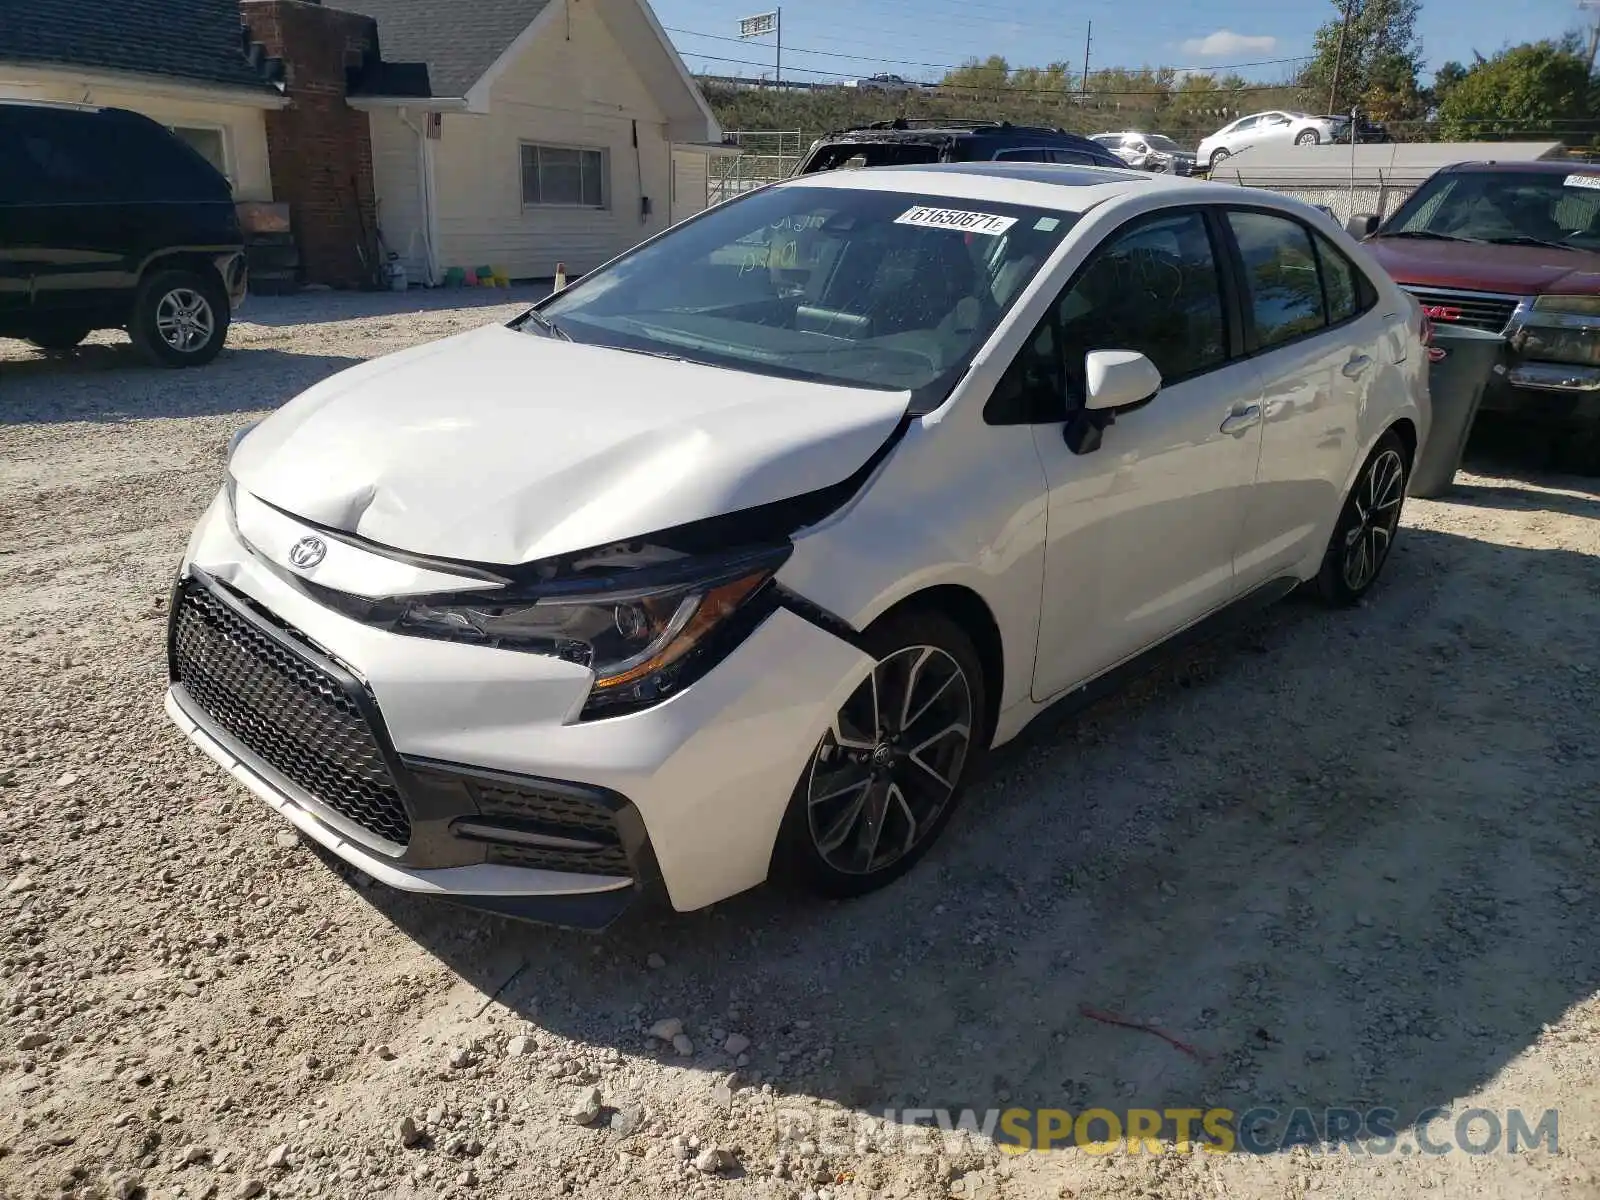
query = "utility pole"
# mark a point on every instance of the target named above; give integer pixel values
(1594, 34)
(777, 66)
(1338, 58)
(1088, 36)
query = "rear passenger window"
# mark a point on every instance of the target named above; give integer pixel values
(1281, 277)
(1025, 155)
(1341, 283)
(1076, 157)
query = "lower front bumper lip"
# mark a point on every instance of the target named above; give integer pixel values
(1554, 377)
(515, 891)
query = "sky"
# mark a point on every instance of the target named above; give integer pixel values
(826, 40)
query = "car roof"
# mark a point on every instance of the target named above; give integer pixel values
(1540, 166)
(1039, 185)
(888, 131)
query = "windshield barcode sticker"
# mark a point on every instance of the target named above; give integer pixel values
(1584, 181)
(954, 218)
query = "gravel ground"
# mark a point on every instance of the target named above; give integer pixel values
(1348, 858)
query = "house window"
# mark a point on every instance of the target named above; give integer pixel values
(208, 141)
(568, 176)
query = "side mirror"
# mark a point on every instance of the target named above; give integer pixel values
(1119, 380)
(1116, 381)
(1362, 225)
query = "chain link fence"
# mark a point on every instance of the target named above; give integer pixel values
(766, 156)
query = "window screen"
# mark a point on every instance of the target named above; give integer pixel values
(564, 176)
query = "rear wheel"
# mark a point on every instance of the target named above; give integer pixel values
(180, 319)
(884, 780)
(1367, 525)
(59, 338)
(1307, 137)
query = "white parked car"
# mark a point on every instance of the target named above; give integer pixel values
(733, 559)
(1300, 129)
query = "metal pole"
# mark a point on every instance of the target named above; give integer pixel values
(778, 68)
(1087, 35)
(1594, 36)
(1338, 58)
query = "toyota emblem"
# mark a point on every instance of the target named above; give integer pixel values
(307, 552)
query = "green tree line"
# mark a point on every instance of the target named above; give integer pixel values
(1367, 57)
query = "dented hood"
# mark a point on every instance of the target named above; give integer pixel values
(502, 447)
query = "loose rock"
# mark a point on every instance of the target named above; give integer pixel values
(586, 1109)
(666, 1029)
(714, 1160)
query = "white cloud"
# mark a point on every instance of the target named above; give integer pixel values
(1225, 43)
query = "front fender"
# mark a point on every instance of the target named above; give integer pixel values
(952, 505)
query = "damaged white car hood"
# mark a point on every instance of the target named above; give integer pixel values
(496, 446)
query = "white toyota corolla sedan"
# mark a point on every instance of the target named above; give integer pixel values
(731, 560)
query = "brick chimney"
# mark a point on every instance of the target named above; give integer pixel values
(320, 148)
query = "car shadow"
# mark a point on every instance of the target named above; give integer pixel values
(321, 308)
(1560, 494)
(1336, 855)
(107, 381)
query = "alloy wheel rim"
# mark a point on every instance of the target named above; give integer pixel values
(1377, 501)
(184, 320)
(890, 761)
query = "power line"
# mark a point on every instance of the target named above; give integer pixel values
(939, 66)
(1039, 91)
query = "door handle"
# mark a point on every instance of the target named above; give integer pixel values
(1356, 365)
(1238, 422)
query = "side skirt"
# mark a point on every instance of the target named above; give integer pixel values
(1228, 617)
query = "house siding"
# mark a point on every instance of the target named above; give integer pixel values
(690, 172)
(243, 125)
(572, 88)
(398, 181)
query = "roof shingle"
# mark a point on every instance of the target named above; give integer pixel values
(193, 40)
(458, 41)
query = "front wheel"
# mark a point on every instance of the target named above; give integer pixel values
(180, 319)
(1367, 524)
(885, 778)
(1307, 137)
(1216, 158)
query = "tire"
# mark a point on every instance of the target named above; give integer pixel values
(1367, 525)
(180, 319)
(829, 844)
(59, 339)
(1307, 137)
(1216, 157)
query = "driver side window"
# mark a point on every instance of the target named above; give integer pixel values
(1153, 286)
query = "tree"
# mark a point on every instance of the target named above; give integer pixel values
(1537, 89)
(1370, 62)
(1444, 82)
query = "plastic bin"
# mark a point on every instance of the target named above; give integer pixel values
(1456, 382)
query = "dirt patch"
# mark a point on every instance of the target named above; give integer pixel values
(1347, 858)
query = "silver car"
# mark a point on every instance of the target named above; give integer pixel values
(1296, 128)
(1148, 151)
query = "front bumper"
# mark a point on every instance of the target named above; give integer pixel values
(1544, 391)
(687, 795)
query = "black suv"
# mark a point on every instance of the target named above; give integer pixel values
(902, 142)
(108, 220)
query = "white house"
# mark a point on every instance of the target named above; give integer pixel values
(182, 62)
(520, 134)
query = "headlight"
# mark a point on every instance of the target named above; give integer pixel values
(1582, 306)
(645, 633)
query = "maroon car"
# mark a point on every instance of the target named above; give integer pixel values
(1513, 248)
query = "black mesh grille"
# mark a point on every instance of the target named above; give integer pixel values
(1491, 313)
(558, 815)
(289, 712)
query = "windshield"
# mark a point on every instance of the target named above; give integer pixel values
(864, 288)
(1503, 206)
(1164, 144)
